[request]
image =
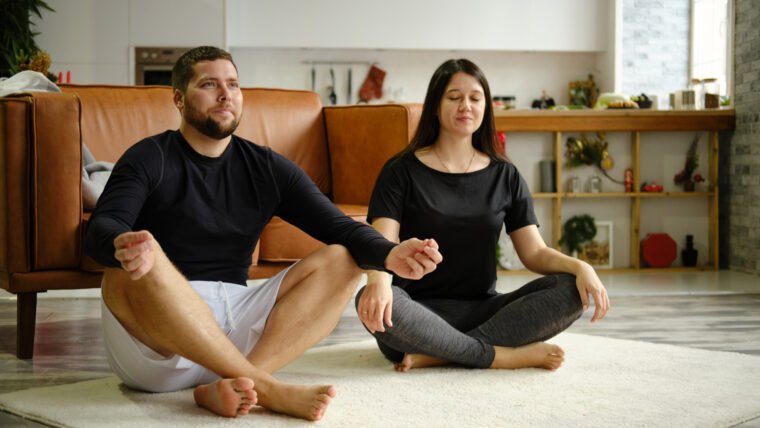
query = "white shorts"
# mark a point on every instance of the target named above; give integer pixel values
(241, 313)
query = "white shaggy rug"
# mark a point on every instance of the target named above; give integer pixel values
(604, 382)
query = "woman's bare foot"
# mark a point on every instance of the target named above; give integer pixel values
(227, 397)
(539, 355)
(306, 402)
(417, 361)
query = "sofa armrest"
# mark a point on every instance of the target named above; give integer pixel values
(43, 165)
(361, 139)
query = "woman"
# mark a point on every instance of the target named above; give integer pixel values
(451, 183)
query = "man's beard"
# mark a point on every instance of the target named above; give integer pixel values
(208, 126)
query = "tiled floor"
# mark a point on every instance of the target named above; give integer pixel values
(708, 310)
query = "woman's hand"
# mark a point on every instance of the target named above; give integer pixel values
(376, 305)
(413, 258)
(588, 282)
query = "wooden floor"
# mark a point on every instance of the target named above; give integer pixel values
(708, 310)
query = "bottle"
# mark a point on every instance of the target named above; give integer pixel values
(628, 180)
(689, 254)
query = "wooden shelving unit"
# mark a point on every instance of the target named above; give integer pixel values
(636, 122)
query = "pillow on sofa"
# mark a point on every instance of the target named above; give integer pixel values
(94, 178)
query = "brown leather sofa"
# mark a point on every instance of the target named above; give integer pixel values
(41, 135)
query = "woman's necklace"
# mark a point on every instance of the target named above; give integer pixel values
(435, 152)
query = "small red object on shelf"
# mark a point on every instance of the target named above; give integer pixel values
(502, 142)
(60, 77)
(651, 187)
(68, 76)
(658, 250)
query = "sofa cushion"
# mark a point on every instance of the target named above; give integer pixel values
(361, 139)
(113, 118)
(283, 242)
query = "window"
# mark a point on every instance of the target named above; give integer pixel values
(711, 42)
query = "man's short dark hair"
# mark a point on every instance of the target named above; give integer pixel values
(183, 68)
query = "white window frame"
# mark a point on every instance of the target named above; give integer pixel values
(730, 19)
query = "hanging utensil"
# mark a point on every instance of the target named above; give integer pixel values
(348, 92)
(333, 96)
(313, 78)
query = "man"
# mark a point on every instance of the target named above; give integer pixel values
(176, 226)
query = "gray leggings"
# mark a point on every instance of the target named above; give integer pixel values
(465, 331)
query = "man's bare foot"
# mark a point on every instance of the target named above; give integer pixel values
(306, 402)
(539, 355)
(227, 397)
(418, 361)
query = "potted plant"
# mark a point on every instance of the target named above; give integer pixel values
(577, 231)
(642, 100)
(18, 50)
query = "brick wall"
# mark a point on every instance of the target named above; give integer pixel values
(743, 175)
(655, 47)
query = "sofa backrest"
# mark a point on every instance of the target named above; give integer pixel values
(359, 151)
(113, 118)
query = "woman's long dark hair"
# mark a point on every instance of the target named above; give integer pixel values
(484, 139)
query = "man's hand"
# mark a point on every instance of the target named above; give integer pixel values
(136, 251)
(413, 259)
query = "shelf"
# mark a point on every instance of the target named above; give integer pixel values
(586, 195)
(675, 194)
(544, 195)
(722, 119)
(572, 195)
(637, 122)
(505, 272)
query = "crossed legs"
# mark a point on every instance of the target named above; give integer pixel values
(162, 311)
(506, 331)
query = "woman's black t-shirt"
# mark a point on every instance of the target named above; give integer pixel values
(462, 212)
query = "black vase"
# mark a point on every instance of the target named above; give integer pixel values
(689, 254)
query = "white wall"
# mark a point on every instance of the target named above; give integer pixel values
(95, 39)
(543, 25)
(524, 75)
(88, 37)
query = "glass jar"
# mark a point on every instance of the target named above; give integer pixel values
(711, 93)
(696, 86)
(510, 102)
(595, 184)
(573, 184)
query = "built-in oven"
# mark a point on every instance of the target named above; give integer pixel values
(153, 66)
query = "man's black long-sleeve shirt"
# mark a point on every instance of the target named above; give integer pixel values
(207, 213)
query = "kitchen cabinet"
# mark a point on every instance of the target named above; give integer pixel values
(88, 37)
(539, 25)
(180, 23)
(653, 144)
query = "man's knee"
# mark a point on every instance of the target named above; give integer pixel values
(115, 284)
(337, 259)
(336, 262)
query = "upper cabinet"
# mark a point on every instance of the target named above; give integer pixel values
(84, 31)
(176, 22)
(513, 25)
